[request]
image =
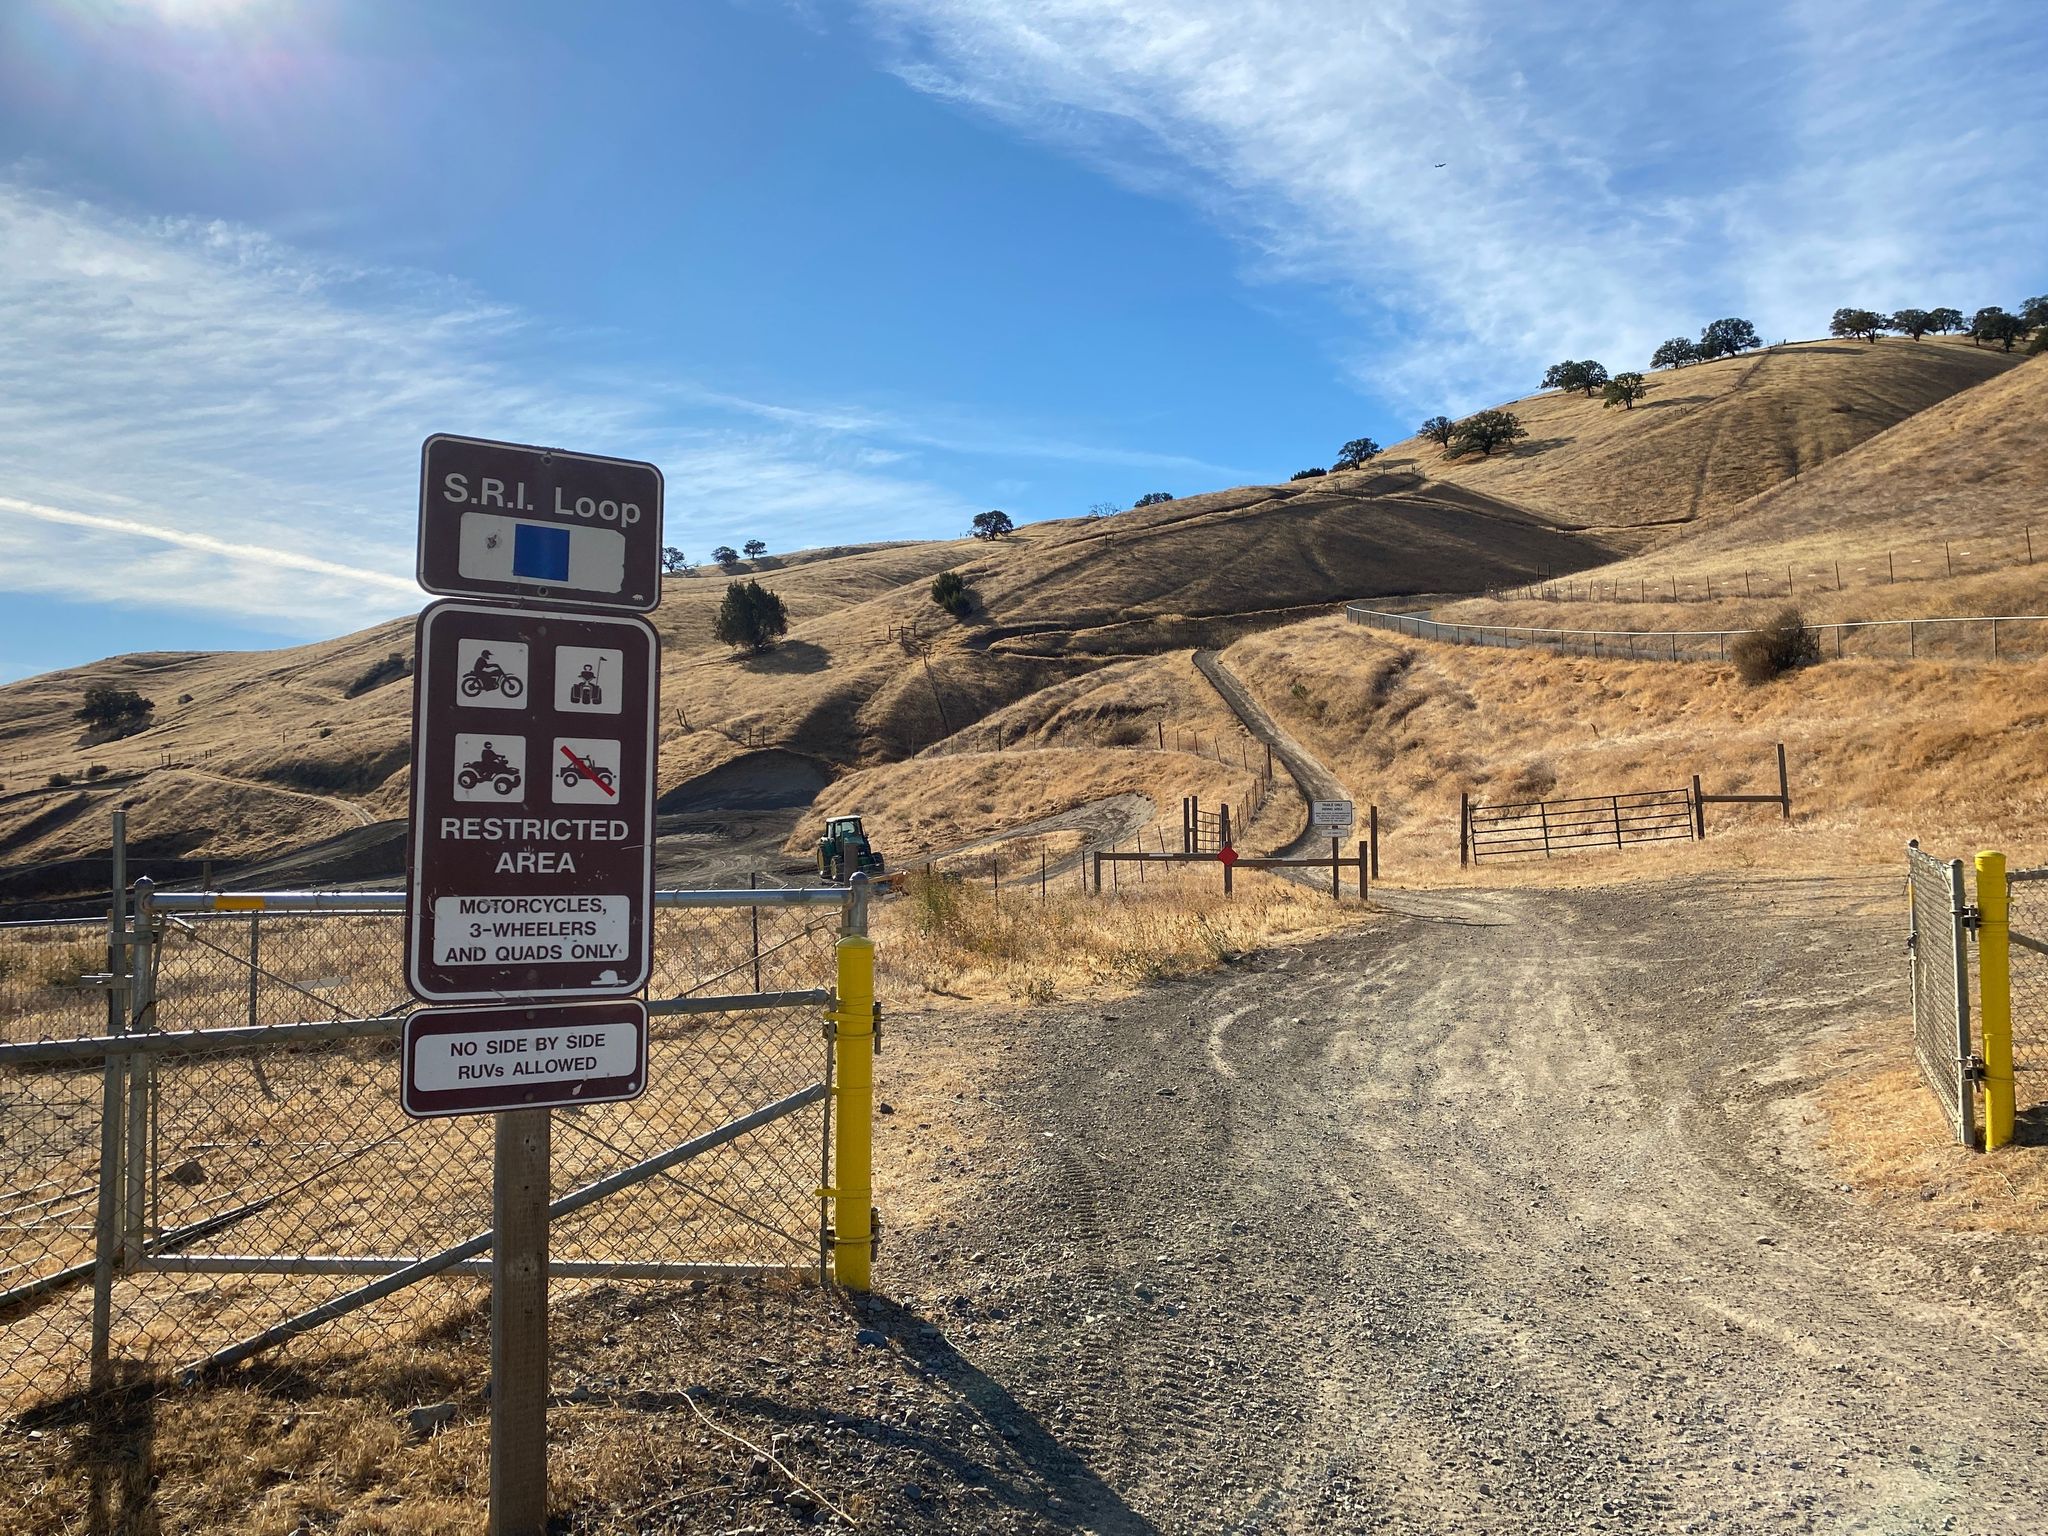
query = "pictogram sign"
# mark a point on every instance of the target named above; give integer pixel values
(531, 862)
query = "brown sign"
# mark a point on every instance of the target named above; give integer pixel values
(479, 1061)
(508, 521)
(530, 869)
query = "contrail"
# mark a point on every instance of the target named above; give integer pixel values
(282, 558)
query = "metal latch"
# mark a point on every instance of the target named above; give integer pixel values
(878, 1029)
(1974, 1070)
(106, 981)
(1972, 918)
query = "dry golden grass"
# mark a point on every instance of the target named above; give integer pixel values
(933, 803)
(1709, 437)
(1951, 753)
(277, 754)
(1874, 1126)
(1966, 471)
(949, 938)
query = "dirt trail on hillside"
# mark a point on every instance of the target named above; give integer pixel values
(1490, 1218)
(1315, 781)
(1102, 824)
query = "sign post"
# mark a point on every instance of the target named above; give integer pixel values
(530, 868)
(1335, 817)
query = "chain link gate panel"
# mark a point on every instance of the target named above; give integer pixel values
(1936, 945)
(273, 1176)
(2028, 893)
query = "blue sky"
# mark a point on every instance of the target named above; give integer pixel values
(856, 271)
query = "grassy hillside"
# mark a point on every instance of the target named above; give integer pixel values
(1709, 437)
(1944, 514)
(1080, 628)
(1955, 754)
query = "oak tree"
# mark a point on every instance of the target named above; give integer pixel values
(1487, 431)
(1624, 390)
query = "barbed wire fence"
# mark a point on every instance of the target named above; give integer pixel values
(207, 1158)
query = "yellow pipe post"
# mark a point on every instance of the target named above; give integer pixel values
(1994, 984)
(853, 1153)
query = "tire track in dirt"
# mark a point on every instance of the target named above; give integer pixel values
(1483, 1220)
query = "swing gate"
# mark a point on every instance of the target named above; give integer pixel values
(202, 1153)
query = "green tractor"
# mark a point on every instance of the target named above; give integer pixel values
(844, 850)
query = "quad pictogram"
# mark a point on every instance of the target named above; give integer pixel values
(489, 768)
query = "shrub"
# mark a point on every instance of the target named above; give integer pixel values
(950, 592)
(750, 617)
(59, 780)
(1153, 499)
(96, 771)
(1779, 645)
(1308, 474)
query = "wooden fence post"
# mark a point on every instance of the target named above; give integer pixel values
(1699, 811)
(1464, 828)
(1784, 789)
(1364, 874)
(1372, 822)
(1336, 880)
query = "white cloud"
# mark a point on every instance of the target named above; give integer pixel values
(1613, 173)
(195, 417)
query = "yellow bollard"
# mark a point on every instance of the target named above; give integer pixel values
(1994, 985)
(853, 1152)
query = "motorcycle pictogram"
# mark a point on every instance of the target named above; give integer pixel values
(489, 765)
(486, 676)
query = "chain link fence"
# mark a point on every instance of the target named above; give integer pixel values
(1937, 953)
(249, 1186)
(2029, 919)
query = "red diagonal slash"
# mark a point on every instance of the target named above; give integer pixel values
(589, 772)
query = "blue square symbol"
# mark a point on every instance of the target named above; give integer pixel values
(540, 553)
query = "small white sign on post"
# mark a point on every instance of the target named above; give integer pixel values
(1332, 815)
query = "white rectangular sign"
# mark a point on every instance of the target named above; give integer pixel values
(532, 930)
(1333, 815)
(478, 1061)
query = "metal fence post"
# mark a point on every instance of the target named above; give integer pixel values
(107, 1210)
(1994, 996)
(256, 963)
(1959, 930)
(142, 1000)
(853, 1021)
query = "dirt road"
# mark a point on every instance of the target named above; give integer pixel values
(1315, 781)
(1491, 1218)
